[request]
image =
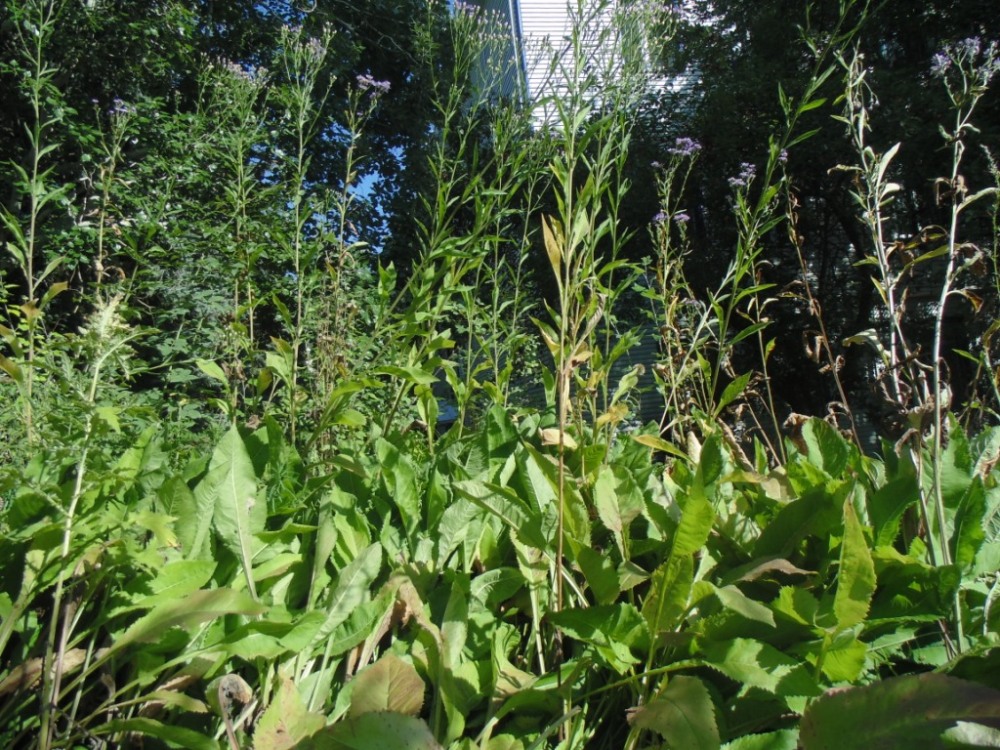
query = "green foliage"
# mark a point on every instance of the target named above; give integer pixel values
(228, 507)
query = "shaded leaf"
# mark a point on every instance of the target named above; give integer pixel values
(899, 713)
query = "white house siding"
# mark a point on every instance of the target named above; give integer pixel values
(541, 34)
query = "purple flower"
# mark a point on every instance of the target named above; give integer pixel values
(120, 108)
(315, 49)
(367, 83)
(656, 165)
(466, 8)
(783, 156)
(970, 47)
(745, 177)
(940, 64)
(660, 218)
(685, 147)
(970, 57)
(681, 218)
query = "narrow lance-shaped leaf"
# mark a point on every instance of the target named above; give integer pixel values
(856, 579)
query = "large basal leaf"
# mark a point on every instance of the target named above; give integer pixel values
(374, 731)
(286, 722)
(508, 507)
(969, 533)
(176, 580)
(239, 513)
(351, 591)
(193, 511)
(390, 684)
(900, 713)
(600, 572)
(195, 608)
(856, 577)
(682, 714)
(400, 479)
(669, 591)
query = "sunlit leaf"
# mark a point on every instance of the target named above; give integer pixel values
(390, 684)
(682, 714)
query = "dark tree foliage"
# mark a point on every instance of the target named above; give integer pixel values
(735, 54)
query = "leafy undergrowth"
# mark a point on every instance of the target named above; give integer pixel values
(408, 600)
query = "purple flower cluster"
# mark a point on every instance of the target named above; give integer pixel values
(745, 177)
(685, 147)
(315, 48)
(662, 217)
(120, 108)
(368, 83)
(465, 8)
(969, 55)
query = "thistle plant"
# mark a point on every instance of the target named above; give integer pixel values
(303, 97)
(917, 389)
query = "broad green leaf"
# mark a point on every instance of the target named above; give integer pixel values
(239, 513)
(493, 587)
(599, 570)
(736, 601)
(362, 623)
(732, 392)
(351, 591)
(201, 606)
(667, 601)
(826, 448)
(611, 629)
(455, 626)
(390, 684)
(606, 504)
(784, 739)
(898, 713)
(507, 506)
(682, 714)
(967, 734)
(286, 722)
(843, 657)
(816, 513)
(385, 730)
(757, 664)
(412, 375)
(193, 511)
(969, 534)
(856, 576)
(177, 579)
(400, 477)
(213, 371)
(174, 735)
(887, 505)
